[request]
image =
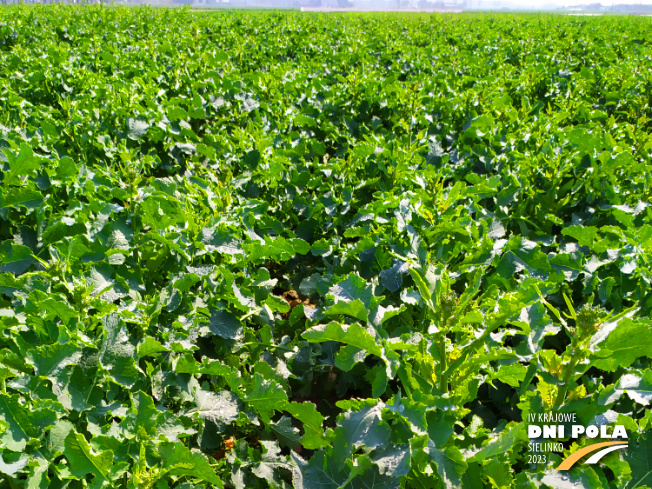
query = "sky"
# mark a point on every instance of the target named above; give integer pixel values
(569, 3)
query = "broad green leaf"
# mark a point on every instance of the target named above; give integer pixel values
(313, 437)
(12, 468)
(499, 473)
(286, 434)
(392, 460)
(60, 308)
(353, 288)
(278, 249)
(512, 374)
(20, 165)
(629, 340)
(450, 463)
(83, 461)
(502, 443)
(100, 278)
(50, 360)
(271, 461)
(21, 196)
(74, 386)
(143, 415)
(185, 283)
(322, 473)
(348, 356)
(180, 461)
(149, 347)
(223, 324)
(535, 321)
(15, 258)
(354, 309)
(352, 334)
(364, 428)
(23, 422)
(639, 458)
(117, 352)
(136, 129)
(57, 437)
(392, 279)
(637, 386)
(585, 235)
(266, 396)
(220, 408)
(221, 241)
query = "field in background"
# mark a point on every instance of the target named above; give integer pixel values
(284, 249)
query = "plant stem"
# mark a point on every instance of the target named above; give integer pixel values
(443, 379)
(563, 389)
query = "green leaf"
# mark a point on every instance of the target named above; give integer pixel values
(587, 477)
(350, 334)
(451, 464)
(321, 247)
(143, 415)
(585, 235)
(300, 246)
(392, 279)
(12, 468)
(322, 473)
(503, 443)
(621, 346)
(223, 324)
(21, 196)
(422, 286)
(50, 360)
(117, 352)
(364, 428)
(499, 473)
(637, 386)
(287, 435)
(271, 461)
(186, 282)
(66, 167)
(353, 288)
(354, 309)
(150, 347)
(180, 461)
(136, 129)
(313, 437)
(221, 241)
(220, 408)
(512, 374)
(277, 249)
(15, 258)
(23, 164)
(60, 308)
(393, 460)
(83, 461)
(266, 396)
(74, 385)
(100, 279)
(536, 323)
(639, 458)
(57, 437)
(23, 422)
(348, 356)
(377, 376)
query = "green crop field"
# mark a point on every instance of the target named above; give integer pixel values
(312, 251)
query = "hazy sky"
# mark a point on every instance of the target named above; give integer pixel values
(580, 2)
(569, 3)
